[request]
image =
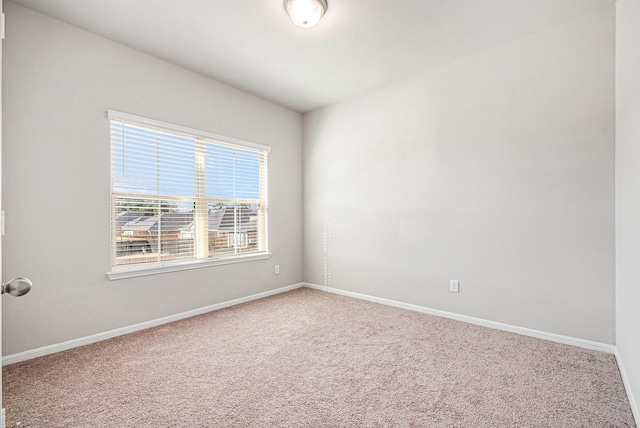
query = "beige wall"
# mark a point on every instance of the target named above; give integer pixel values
(628, 195)
(59, 82)
(496, 170)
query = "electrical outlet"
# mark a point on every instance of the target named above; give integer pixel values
(277, 269)
(454, 286)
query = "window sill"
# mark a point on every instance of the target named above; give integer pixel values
(132, 272)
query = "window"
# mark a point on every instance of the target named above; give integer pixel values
(182, 198)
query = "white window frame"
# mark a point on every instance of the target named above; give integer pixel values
(136, 270)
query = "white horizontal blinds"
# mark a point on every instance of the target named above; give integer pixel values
(236, 193)
(153, 180)
(180, 197)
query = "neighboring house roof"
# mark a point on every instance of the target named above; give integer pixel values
(124, 217)
(222, 220)
(215, 218)
(247, 220)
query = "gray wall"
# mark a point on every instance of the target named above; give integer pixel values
(59, 82)
(496, 170)
(628, 192)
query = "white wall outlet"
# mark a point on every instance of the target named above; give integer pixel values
(454, 286)
(277, 269)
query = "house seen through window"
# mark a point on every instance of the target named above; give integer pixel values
(181, 196)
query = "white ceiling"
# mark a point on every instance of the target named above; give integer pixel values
(357, 46)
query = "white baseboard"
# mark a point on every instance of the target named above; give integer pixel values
(596, 346)
(627, 386)
(52, 349)
(46, 350)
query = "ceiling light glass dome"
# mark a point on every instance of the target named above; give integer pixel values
(305, 13)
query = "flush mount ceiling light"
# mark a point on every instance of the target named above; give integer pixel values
(305, 13)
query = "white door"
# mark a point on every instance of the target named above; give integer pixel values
(17, 286)
(2, 219)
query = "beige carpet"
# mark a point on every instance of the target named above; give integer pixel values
(313, 359)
